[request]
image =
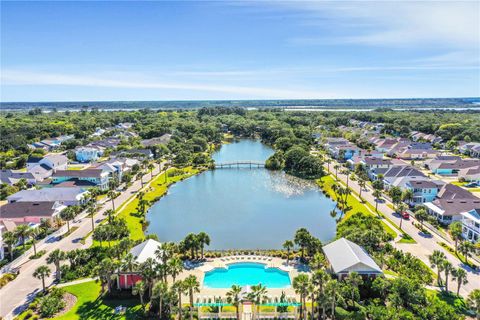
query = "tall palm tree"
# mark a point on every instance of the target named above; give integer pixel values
(332, 288)
(353, 281)
(149, 273)
(473, 301)
(161, 290)
(112, 195)
(179, 288)
(447, 268)
(33, 233)
(320, 279)
(402, 207)
(104, 270)
(41, 273)
(22, 231)
(258, 296)
(233, 297)
(377, 194)
(68, 214)
(10, 239)
(300, 285)
(139, 288)
(460, 276)
(455, 230)
(336, 167)
(362, 183)
(150, 168)
(436, 260)
(110, 213)
(191, 285)
(56, 257)
(288, 245)
(203, 239)
(465, 248)
(91, 213)
(174, 267)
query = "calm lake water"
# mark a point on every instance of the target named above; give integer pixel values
(242, 208)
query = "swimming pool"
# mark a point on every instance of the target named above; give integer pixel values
(246, 273)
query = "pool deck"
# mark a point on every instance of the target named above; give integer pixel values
(223, 262)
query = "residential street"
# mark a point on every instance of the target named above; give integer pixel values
(425, 244)
(17, 293)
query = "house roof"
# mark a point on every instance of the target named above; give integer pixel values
(344, 255)
(425, 184)
(450, 191)
(75, 183)
(33, 159)
(48, 194)
(145, 250)
(86, 173)
(57, 158)
(456, 206)
(460, 164)
(402, 171)
(23, 209)
(12, 177)
(376, 161)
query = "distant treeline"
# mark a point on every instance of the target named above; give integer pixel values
(325, 103)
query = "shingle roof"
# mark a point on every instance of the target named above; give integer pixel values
(456, 206)
(451, 191)
(47, 194)
(23, 209)
(78, 173)
(344, 254)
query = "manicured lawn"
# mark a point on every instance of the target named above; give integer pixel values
(90, 305)
(326, 184)
(407, 239)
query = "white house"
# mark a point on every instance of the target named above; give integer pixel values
(471, 225)
(43, 168)
(345, 257)
(63, 195)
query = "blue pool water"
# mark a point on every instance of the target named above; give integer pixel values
(246, 273)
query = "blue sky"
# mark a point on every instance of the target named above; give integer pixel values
(182, 50)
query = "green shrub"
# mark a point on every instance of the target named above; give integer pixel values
(51, 303)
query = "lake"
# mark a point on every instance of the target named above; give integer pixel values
(242, 208)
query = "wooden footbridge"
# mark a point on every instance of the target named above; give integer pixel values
(240, 163)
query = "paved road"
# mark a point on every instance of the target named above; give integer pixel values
(424, 246)
(16, 294)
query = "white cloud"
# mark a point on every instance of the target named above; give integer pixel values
(393, 23)
(17, 77)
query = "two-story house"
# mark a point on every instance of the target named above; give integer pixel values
(471, 225)
(423, 191)
(96, 177)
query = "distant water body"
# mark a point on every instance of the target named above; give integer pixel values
(296, 105)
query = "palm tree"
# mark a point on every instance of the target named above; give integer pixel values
(320, 279)
(22, 231)
(139, 288)
(104, 271)
(288, 245)
(447, 268)
(68, 214)
(258, 296)
(55, 257)
(191, 285)
(129, 262)
(41, 273)
(161, 290)
(455, 230)
(421, 215)
(300, 285)
(353, 281)
(473, 301)
(332, 288)
(460, 276)
(328, 161)
(233, 297)
(377, 194)
(110, 213)
(179, 288)
(34, 232)
(336, 167)
(436, 260)
(149, 273)
(203, 239)
(10, 240)
(402, 207)
(407, 195)
(150, 168)
(174, 267)
(91, 213)
(465, 248)
(112, 195)
(362, 183)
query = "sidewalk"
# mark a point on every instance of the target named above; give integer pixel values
(425, 244)
(19, 292)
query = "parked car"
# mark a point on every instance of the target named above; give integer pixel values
(405, 215)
